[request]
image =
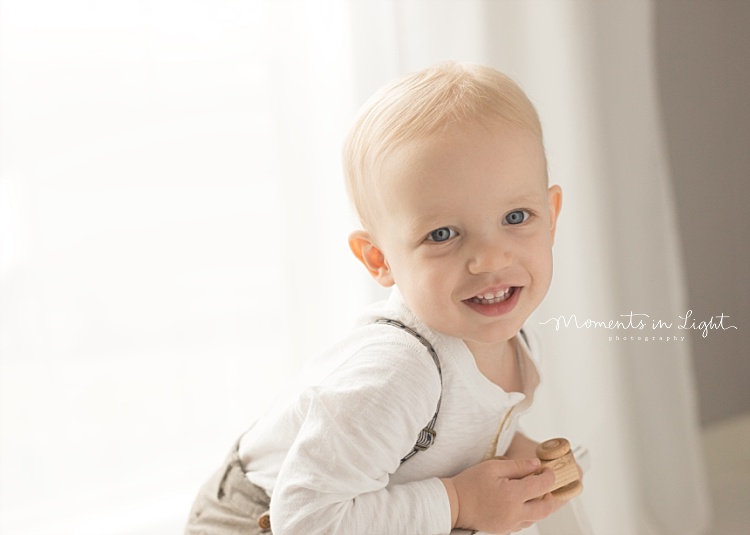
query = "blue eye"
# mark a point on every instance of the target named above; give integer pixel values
(442, 234)
(516, 217)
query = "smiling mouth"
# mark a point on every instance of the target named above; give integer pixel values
(493, 298)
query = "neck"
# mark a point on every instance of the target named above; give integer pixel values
(498, 363)
(488, 352)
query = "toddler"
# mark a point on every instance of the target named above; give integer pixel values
(399, 426)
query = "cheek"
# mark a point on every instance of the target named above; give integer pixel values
(428, 285)
(537, 256)
(543, 268)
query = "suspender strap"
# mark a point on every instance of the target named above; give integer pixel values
(427, 436)
(525, 338)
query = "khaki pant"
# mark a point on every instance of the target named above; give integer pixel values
(228, 504)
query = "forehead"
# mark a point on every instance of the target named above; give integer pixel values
(497, 159)
(464, 172)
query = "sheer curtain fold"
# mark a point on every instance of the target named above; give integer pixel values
(589, 68)
(650, 276)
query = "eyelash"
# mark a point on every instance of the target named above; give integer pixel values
(452, 233)
(528, 214)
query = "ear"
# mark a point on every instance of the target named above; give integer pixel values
(554, 201)
(361, 244)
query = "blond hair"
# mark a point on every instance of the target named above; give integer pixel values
(418, 106)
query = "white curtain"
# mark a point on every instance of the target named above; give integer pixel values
(174, 226)
(589, 67)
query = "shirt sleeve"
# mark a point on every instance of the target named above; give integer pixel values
(358, 425)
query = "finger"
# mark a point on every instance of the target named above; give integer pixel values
(537, 484)
(539, 508)
(516, 468)
(523, 525)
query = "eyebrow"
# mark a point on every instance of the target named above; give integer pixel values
(526, 200)
(422, 224)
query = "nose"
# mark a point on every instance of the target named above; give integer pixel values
(489, 255)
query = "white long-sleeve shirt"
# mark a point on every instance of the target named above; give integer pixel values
(329, 454)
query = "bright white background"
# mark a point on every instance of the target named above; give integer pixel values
(173, 239)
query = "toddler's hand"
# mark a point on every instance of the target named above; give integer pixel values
(501, 496)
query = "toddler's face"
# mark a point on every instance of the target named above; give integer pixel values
(466, 224)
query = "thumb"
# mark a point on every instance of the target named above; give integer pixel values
(517, 468)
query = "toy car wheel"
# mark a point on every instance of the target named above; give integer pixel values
(569, 491)
(553, 448)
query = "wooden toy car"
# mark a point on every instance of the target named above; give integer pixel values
(555, 454)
